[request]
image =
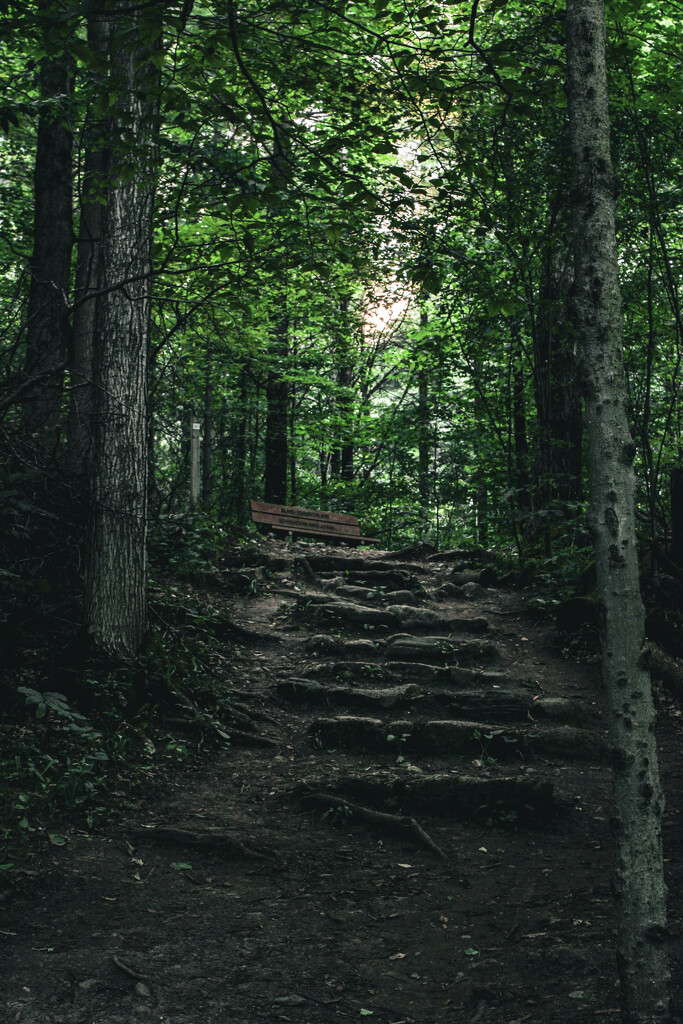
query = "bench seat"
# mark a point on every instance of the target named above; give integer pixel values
(307, 522)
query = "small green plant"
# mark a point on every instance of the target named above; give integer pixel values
(485, 738)
(402, 739)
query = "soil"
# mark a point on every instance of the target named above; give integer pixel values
(457, 872)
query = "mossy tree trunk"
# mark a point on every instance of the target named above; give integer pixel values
(637, 797)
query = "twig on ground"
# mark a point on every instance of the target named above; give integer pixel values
(396, 822)
(128, 970)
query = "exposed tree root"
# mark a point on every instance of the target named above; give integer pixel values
(248, 739)
(408, 827)
(238, 737)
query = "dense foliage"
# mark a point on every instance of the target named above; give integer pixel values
(359, 279)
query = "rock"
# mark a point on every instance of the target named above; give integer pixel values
(559, 709)
(410, 618)
(403, 597)
(357, 593)
(446, 591)
(142, 990)
(361, 648)
(472, 590)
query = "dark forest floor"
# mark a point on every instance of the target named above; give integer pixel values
(231, 894)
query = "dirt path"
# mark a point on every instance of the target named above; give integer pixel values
(425, 839)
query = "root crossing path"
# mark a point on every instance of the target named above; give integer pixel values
(410, 823)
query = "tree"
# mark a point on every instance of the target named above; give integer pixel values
(637, 796)
(116, 554)
(46, 331)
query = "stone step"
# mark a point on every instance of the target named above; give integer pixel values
(390, 580)
(452, 737)
(395, 672)
(352, 564)
(407, 790)
(341, 590)
(308, 691)
(485, 705)
(440, 650)
(323, 643)
(407, 618)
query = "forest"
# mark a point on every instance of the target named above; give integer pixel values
(416, 262)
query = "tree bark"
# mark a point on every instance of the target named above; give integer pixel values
(116, 557)
(637, 797)
(46, 334)
(91, 226)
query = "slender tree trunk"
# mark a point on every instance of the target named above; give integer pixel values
(481, 497)
(637, 797)
(194, 427)
(677, 516)
(522, 477)
(116, 564)
(239, 477)
(292, 445)
(88, 266)
(424, 440)
(46, 334)
(346, 396)
(209, 439)
(277, 400)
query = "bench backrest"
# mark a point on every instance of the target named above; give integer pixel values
(287, 517)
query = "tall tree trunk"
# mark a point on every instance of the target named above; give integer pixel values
(209, 438)
(91, 226)
(424, 439)
(277, 400)
(559, 459)
(239, 475)
(481, 496)
(116, 563)
(637, 797)
(521, 448)
(345, 380)
(46, 334)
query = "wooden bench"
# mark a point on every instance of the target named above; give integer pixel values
(307, 522)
